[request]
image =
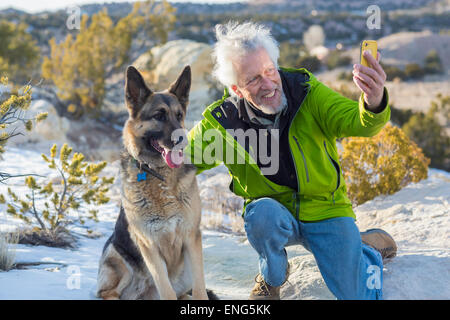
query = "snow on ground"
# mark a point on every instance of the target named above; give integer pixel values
(417, 217)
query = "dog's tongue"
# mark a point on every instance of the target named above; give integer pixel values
(173, 159)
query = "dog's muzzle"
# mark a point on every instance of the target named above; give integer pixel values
(173, 158)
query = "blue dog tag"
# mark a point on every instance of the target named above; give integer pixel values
(142, 176)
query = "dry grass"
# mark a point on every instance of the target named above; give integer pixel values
(223, 211)
(223, 222)
(7, 250)
(59, 238)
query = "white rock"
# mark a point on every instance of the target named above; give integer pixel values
(52, 130)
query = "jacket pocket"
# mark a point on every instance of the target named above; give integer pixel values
(336, 168)
(304, 158)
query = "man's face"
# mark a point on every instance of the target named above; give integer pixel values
(258, 81)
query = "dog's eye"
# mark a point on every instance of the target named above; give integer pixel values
(179, 116)
(160, 116)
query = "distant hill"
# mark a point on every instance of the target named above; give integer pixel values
(342, 5)
(397, 50)
(401, 48)
(262, 6)
(12, 11)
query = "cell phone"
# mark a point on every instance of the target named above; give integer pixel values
(371, 46)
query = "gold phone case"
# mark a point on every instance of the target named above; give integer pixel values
(370, 45)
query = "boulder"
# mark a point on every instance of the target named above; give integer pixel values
(52, 130)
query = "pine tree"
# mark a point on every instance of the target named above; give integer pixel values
(80, 65)
(47, 204)
(19, 54)
(13, 106)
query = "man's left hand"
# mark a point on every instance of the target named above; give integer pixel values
(370, 80)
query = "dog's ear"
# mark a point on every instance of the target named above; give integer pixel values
(181, 87)
(136, 92)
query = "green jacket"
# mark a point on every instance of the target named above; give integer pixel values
(321, 117)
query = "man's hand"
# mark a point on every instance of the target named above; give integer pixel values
(370, 80)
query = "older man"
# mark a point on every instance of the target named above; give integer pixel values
(304, 200)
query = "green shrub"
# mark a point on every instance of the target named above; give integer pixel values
(46, 205)
(19, 54)
(430, 135)
(382, 164)
(433, 63)
(413, 71)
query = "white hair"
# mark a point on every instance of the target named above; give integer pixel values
(236, 40)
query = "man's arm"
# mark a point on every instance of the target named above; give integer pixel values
(381, 107)
(341, 117)
(194, 151)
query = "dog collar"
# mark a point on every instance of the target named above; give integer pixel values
(144, 169)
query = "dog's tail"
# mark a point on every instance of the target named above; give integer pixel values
(209, 292)
(211, 295)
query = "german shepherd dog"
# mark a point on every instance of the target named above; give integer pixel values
(155, 251)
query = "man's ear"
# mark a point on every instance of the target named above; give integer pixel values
(182, 86)
(237, 91)
(136, 92)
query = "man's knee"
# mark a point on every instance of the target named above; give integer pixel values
(262, 215)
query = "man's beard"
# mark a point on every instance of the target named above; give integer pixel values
(272, 110)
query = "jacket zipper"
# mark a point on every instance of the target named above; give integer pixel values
(295, 196)
(304, 159)
(269, 186)
(336, 167)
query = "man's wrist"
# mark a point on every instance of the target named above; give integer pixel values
(380, 107)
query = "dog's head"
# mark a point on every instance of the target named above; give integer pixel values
(154, 132)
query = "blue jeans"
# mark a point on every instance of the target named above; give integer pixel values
(350, 269)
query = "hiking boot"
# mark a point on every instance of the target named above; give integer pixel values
(264, 291)
(381, 241)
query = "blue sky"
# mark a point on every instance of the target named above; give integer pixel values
(41, 5)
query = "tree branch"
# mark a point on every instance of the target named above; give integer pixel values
(35, 213)
(61, 201)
